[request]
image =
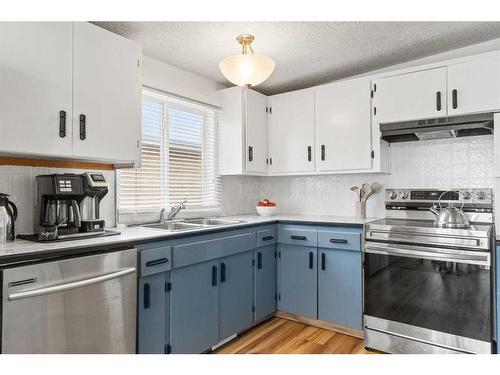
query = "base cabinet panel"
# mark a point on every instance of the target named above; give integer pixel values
(265, 281)
(153, 310)
(236, 294)
(339, 287)
(298, 280)
(194, 308)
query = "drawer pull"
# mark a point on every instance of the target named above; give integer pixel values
(214, 276)
(311, 260)
(338, 240)
(299, 238)
(156, 262)
(147, 296)
(267, 238)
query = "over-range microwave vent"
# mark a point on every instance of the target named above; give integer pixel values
(438, 128)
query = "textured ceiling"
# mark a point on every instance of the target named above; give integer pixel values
(306, 53)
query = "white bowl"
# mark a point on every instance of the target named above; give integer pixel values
(265, 211)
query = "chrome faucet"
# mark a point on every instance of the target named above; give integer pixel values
(162, 215)
(174, 210)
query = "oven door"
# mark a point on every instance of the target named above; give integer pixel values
(434, 295)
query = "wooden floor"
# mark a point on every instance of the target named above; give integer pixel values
(283, 336)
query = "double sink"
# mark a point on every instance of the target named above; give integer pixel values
(191, 224)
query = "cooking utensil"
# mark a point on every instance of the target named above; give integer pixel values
(366, 191)
(357, 191)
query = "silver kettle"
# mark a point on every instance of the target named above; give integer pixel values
(449, 216)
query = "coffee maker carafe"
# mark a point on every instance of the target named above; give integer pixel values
(95, 188)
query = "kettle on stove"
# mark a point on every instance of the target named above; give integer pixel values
(450, 216)
(8, 215)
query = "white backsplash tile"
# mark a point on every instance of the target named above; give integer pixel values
(19, 182)
(442, 164)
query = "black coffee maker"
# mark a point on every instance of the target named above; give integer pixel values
(61, 199)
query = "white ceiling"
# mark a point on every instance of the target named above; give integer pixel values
(306, 53)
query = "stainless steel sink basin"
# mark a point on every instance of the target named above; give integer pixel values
(211, 221)
(191, 224)
(173, 226)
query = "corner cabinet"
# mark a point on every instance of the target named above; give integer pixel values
(70, 90)
(243, 132)
(291, 132)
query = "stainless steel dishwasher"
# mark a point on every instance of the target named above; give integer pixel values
(85, 304)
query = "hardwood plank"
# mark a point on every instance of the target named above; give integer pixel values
(283, 336)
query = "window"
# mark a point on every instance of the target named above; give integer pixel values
(179, 157)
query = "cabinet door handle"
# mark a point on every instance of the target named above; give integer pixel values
(250, 153)
(147, 296)
(323, 153)
(267, 238)
(311, 259)
(83, 127)
(454, 98)
(214, 276)
(156, 262)
(338, 240)
(438, 100)
(323, 261)
(62, 124)
(309, 153)
(223, 272)
(300, 238)
(259, 260)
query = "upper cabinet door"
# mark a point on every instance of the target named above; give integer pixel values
(410, 96)
(291, 132)
(35, 77)
(474, 86)
(343, 126)
(256, 131)
(107, 83)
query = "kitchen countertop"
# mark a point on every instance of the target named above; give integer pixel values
(13, 251)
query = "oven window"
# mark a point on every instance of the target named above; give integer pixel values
(442, 296)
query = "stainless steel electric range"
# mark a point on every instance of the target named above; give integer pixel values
(428, 289)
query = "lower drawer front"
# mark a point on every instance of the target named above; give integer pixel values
(301, 237)
(339, 240)
(202, 251)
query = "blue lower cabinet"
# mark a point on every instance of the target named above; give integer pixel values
(298, 280)
(340, 287)
(194, 308)
(152, 330)
(265, 281)
(235, 294)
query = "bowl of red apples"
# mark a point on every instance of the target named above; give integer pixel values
(266, 207)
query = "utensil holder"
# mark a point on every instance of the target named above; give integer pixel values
(360, 210)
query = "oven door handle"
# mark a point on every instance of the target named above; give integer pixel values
(68, 286)
(466, 257)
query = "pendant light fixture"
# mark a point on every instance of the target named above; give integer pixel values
(247, 69)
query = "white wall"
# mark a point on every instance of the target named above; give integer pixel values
(176, 81)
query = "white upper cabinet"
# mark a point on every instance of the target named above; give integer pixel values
(343, 126)
(243, 132)
(107, 81)
(474, 86)
(410, 96)
(291, 132)
(35, 81)
(256, 131)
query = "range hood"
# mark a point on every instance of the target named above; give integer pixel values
(438, 128)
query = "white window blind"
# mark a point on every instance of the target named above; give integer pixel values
(179, 157)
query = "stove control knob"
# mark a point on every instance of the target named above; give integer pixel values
(480, 195)
(393, 195)
(466, 195)
(404, 195)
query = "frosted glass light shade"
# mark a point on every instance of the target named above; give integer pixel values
(247, 69)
